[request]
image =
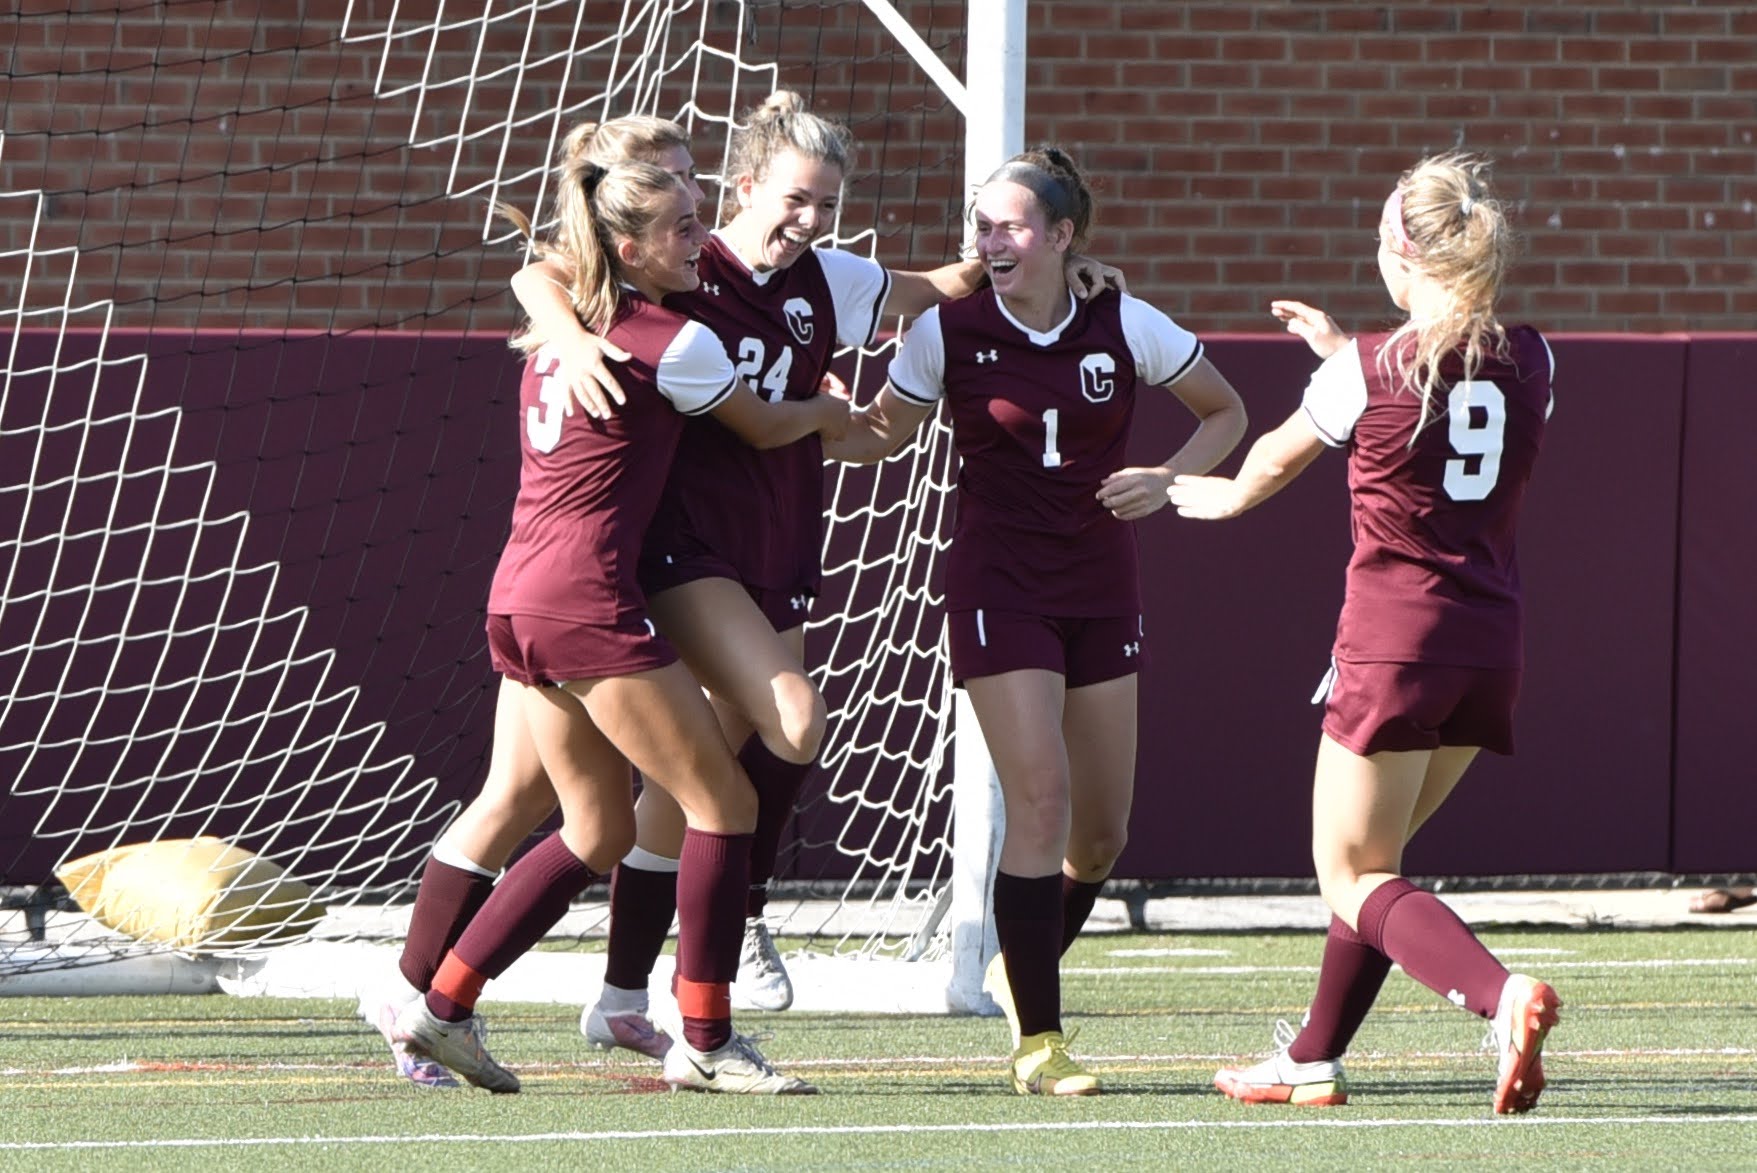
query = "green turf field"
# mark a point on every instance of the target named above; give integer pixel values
(1653, 1067)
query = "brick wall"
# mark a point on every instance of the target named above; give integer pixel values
(230, 165)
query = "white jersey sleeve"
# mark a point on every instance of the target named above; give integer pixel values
(1336, 396)
(694, 372)
(858, 288)
(1164, 351)
(918, 373)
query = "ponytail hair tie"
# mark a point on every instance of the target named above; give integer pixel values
(1466, 206)
(591, 174)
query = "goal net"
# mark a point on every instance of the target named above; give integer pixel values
(258, 427)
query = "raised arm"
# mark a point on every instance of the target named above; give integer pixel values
(1134, 493)
(542, 292)
(879, 429)
(1271, 465)
(762, 424)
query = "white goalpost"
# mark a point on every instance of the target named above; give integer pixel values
(132, 582)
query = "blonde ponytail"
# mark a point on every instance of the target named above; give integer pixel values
(1458, 236)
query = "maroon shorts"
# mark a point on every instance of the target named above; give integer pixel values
(534, 650)
(784, 610)
(1377, 707)
(1085, 651)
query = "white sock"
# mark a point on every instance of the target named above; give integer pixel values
(445, 853)
(613, 1000)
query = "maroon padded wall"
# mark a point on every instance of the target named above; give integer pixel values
(1715, 804)
(378, 470)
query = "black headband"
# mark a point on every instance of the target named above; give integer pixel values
(1050, 191)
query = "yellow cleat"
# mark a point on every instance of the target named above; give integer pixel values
(1043, 1067)
(995, 985)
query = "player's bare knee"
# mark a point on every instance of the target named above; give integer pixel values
(1092, 858)
(1039, 819)
(728, 806)
(801, 718)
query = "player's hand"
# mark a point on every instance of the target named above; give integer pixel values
(587, 376)
(1133, 493)
(1318, 328)
(832, 384)
(833, 415)
(1206, 498)
(1087, 276)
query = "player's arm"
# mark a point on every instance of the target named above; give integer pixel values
(542, 290)
(1134, 493)
(762, 424)
(916, 293)
(1271, 465)
(879, 429)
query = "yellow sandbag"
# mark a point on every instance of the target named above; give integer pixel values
(197, 895)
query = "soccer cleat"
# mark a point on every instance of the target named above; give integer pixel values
(762, 982)
(737, 1068)
(461, 1046)
(1043, 1067)
(417, 1069)
(1280, 1080)
(1528, 1010)
(631, 1030)
(996, 986)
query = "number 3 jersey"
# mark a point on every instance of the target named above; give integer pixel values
(1039, 420)
(588, 488)
(761, 511)
(1434, 577)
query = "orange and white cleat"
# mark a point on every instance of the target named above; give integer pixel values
(1280, 1080)
(1529, 1009)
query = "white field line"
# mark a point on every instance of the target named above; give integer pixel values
(129, 1067)
(1236, 970)
(673, 1135)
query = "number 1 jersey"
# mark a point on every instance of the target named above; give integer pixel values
(1039, 420)
(1434, 577)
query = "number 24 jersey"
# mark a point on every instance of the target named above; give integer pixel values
(1039, 419)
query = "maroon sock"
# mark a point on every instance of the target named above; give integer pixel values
(1078, 897)
(527, 902)
(445, 902)
(1348, 983)
(777, 785)
(713, 874)
(642, 904)
(1028, 922)
(1433, 946)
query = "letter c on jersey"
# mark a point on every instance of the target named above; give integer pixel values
(797, 311)
(1096, 377)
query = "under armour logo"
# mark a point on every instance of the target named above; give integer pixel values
(1133, 649)
(988, 356)
(800, 602)
(713, 289)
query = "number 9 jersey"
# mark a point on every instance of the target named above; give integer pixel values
(1434, 578)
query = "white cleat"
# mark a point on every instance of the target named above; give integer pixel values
(762, 982)
(460, 1046)
(631, 1030)
(737, 1068)
(417, 1069)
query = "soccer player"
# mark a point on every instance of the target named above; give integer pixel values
(1442, 420)
(1043, 596)
(599, 688)
(733, 560)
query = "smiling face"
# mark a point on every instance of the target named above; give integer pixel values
(1021, 250)
(664, 259)
(782, 213)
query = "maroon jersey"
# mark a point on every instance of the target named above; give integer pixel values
(588, 488)
(1039, 420)
(762, 511)
(1434, 577)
